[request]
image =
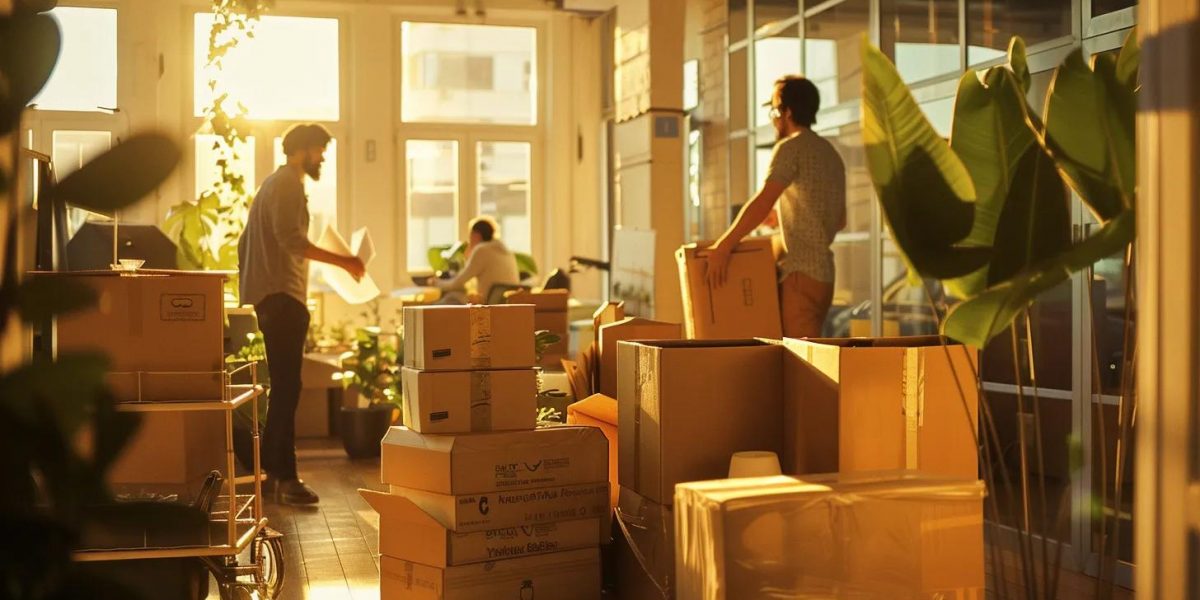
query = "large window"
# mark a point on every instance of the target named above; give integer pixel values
(831, 50)
(468, 73)
(431, 196)
(287, 71)
(774, 57)
(991, 23)
(85, 76)
(471, 133)
(921, 37)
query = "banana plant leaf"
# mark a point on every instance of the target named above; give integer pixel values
(976, 320)
(1089, 130)
(991, 136)
(1035, 223)
(29, 47)
(927, 194)
(121, 176)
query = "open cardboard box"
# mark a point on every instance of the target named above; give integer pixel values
(824, 405)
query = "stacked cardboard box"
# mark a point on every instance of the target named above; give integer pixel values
(480, 503)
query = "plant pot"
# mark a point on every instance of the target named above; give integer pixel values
(363, 428)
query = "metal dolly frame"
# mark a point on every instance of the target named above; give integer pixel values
(241, 515)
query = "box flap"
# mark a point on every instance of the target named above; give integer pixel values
(596, 406)
(915, 341)
(396, 507)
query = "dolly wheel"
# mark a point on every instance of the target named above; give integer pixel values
(266, 552)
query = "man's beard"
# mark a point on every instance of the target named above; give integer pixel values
(313, 169)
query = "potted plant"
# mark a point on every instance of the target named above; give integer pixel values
(372, 367)
(551, 402)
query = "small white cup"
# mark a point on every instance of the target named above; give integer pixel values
(753, 464)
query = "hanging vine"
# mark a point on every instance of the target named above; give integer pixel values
(206, 230)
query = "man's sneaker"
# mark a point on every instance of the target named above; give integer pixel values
(294, 491)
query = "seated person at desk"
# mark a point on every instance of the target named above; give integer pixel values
(489, 262)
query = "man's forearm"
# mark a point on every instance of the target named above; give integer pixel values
(751, 215)
(320, 255)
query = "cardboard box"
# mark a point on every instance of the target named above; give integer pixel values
(550, 314)
(460, 338)
(573, 575)
(884, 535)
(599, 411)
(685, 407)
(465, 513)
(645, 550)
(172, 452)
(408, 533)
(746, 306)
(880, 404)
(633, 328)
(469, 401)
(480, 463)
(163, 332)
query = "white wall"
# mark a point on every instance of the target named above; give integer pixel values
(154, 32)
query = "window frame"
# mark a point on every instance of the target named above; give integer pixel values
(469, 134)
(265, 131)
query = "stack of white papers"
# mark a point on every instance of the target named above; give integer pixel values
(353, 292)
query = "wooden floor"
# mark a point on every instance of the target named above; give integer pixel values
(331, 550)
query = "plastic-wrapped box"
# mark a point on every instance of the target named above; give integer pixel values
(894, 534)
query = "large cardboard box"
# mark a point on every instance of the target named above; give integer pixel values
(573, 575)
(480, 463)
(550, 314)
(464, 513)
(881, 535)
(409, 533)
(645, 551)
(599, 411)
(172, 452)
(632, 328)
(163, 332)
(460, 338)
(685, 407)
(746, 306)
(871, 404)
(469, 401)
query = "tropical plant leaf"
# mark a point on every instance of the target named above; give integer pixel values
(526, 263)
(34, 6)
(67, 386)
(979, 319)
(436, 261)
(1018, 64)
(990, 135)
(1035, 224)
(29, 47)
(41, 297)
(1128, 61)
(122, 175)
(1089, 130)
(927, 195)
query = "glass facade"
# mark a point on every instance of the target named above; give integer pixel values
(932, 42)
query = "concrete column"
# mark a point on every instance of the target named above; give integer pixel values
(1167, 495)
(650, 140)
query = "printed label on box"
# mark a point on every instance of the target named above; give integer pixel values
(181, 307)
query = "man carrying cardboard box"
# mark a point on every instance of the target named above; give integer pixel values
(273, 255)
(809, 176)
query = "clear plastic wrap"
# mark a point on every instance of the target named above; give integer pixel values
(893, 535)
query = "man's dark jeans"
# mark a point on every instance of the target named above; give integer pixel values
(283, 321)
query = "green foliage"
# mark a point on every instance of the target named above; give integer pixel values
(254, 350)
(373, 367)
(51, 485)
(1018, 166)
(543, 339)
(207, 230)
(927, 195)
